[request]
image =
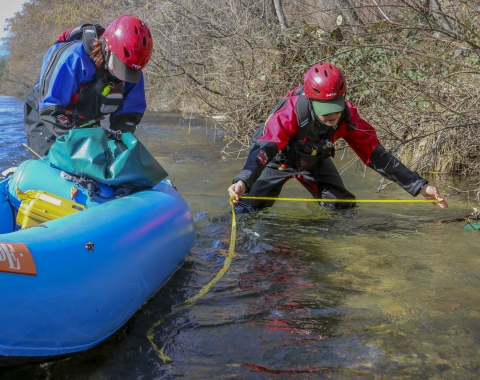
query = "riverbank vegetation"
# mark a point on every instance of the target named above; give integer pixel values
(412, 65)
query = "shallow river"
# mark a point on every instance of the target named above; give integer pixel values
(383, 291)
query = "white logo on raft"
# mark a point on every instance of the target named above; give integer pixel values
(8, 253)
(16, 258)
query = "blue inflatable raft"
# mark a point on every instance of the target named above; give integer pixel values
(70, 283)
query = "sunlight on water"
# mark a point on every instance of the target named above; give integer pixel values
(381, 291)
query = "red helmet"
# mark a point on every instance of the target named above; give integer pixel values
(324, 81)
(130, 41)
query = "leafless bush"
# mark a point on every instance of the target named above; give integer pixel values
(411, 65)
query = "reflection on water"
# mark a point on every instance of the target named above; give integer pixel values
(381, 291)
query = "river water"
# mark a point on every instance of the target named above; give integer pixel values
(381, 291)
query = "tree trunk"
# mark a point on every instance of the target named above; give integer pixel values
(280, 15)
(440, 16)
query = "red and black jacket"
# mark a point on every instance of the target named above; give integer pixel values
(290, 127)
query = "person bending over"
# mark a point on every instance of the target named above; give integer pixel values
(297, 140)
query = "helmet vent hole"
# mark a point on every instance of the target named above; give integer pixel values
(136, 30)
(341, 86)
(144, 41)
(316, 91)
(127, 54)
(331, 67)
(316, 70)
(326, 73)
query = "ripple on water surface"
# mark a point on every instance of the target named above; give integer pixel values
(12, 133)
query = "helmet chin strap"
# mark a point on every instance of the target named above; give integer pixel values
(108, 58)
(106, 54)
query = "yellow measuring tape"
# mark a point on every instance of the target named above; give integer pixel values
(191, 301)
(231, 251)
(328, 200)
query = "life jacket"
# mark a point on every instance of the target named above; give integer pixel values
(95, 100)
(92, 101)
(312, 143)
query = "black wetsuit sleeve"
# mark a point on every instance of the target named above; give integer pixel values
(391, 168)
(260, 155)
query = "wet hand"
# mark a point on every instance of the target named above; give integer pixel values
(431, 192)
(236, 191)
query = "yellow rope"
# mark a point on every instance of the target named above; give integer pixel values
(160, 351)
(191, 301)
(231, 252)
(226, 264)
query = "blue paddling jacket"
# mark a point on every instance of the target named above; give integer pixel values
(72, 93)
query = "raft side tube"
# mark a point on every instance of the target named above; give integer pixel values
(80, 296)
